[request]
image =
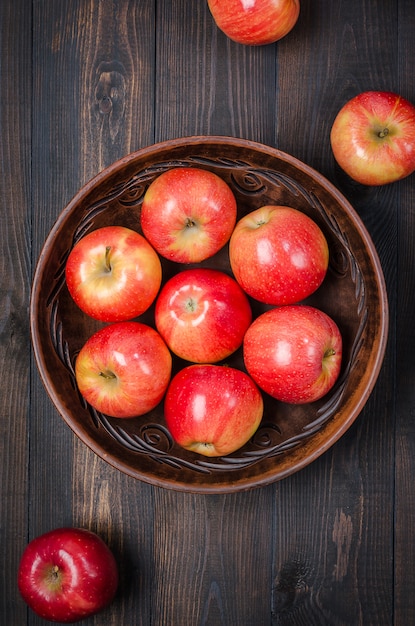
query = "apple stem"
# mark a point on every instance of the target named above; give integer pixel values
(108, 375)
(55, 570)
(329, 352)
(107, 259)
(383, 133)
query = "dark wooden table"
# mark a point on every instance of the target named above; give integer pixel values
(84, 82)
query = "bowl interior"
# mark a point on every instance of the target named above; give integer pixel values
(353, 293)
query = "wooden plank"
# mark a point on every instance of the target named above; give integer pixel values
(94, 83)
(334, 515)
(404, 609)
(208, 84)
(212, 554)
(211, 558)
(15, 194)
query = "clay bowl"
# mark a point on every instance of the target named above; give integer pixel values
(353, 293)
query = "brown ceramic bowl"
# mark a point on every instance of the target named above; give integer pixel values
(353, 293)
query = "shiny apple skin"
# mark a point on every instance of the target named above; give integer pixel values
(67, 574)
(124, 369)
(202, 315)
(188, 214)
(294, 353)
(278, 255)
(212, 409)
(363, 149)
(117, 285)
(255, 22)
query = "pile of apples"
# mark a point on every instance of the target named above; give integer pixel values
(278, 256)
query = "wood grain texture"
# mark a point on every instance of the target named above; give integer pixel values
(214, 543)
(404, 607)
(341, 577)
(207, 93)
(86, 82)
(208, 84)
(102, 110)
(15, 208)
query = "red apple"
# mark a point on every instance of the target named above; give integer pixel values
(212, 409)
(124, 369)
(278, 255)
(373, 138)
(188, 214)
(255, 22)
(67, 574)
(113, 274)
(294, 353)
(202, 314)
